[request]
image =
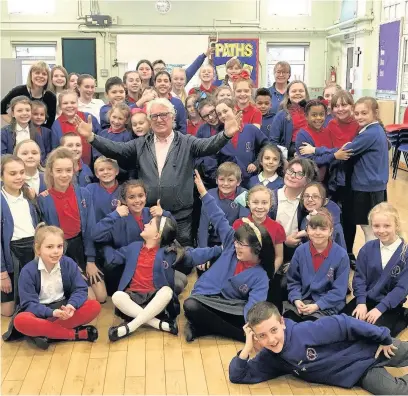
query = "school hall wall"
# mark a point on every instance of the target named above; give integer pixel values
(229, 18)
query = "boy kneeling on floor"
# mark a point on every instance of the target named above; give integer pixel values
(337, 350)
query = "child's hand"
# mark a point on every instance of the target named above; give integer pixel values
(93, 272)
(156, 211)
(69, 309)
(300, 305)
(373, 316)
(306, 149)
(249, 342)
(45, 193)
(84, 128)
(360, 312)
(310, 309)
(343, 154)
(6, 286)
(122, 210)
(60, 314)
(293, 240)
(251, 168)
(199, 183)
(387, 349)
(301, 234)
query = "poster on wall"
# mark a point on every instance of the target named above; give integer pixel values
(387, 75)
(246, 50)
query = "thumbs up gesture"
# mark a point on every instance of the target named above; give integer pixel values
(84, 128)
(156, 211)
(122, 210)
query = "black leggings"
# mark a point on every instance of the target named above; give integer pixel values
(209, 321)
(393, 319)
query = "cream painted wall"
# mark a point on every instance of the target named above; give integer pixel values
(245, 18)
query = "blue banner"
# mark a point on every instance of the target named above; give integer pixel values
(246, 50)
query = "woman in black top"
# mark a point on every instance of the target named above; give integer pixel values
(35, 89)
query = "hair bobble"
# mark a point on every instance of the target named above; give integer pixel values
(138, 111)
(254, 228)
(162, 224)
(244, 75)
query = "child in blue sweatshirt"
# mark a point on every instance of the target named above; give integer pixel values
(263, 102)
(238, 279)
(318, 273)
(245, 145)
(105, 194)
(38, 118)
(336, 350)
(314, 197)
(53, 294)
(272, 165)
(70, 207)
(380, 284)
(83, 174)
(115, 93)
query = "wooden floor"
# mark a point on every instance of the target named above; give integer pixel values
(151, 362)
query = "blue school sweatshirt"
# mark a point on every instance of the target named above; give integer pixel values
(103, 201)
(282, 129)
(250, 142)
(7, 229)
(275, 185)
(56, 130)
(46, 137)
(328, 118)
(8, 142)
(194, 67)
(335, 211)
(181, 115)
(121, 231)
(232, 210)
(43, 186)
(84, 176)
(251, 285)
(277, 98)
(327, 286)
(335, 350)
(29, 287)
(208, 165)
(86, 212)
(370, 159)
(388, 286)
(266, 126)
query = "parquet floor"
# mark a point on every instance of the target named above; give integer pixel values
(151, 362)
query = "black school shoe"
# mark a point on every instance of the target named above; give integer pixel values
(172, 324)
(189, 332)
(39, 342)
(92, 333)
(113, 332)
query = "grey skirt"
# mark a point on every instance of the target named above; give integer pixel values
(219, 303)
(287, 306)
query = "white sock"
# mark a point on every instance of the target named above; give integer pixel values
(143, 316)
(368, 233)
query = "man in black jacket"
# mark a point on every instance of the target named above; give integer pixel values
(164, 160)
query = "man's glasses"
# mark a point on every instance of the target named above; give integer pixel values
(163, 116)
(298, 175)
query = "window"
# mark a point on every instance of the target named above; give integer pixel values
(32, 53)
(31, 7)
(289, 8)
(394, 9)
(295, 55)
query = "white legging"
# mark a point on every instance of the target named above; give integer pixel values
(124, 303)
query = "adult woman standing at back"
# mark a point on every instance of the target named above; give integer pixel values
(36, 88)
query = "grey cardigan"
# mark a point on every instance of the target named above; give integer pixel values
(175, 186)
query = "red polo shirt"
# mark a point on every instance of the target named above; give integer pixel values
(341, 133)
(110, 190)
(276, 231)
(242, 266)
(298, 120)
(66, 206)
(142, 280)
(251, 115)
(321, 138)
(230, 196)
(201, 88)
(318, 258)
(139, 221)
(192, 128)
(67, 127)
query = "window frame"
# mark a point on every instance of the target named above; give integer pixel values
(270, 64)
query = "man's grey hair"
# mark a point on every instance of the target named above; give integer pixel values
(160, 101)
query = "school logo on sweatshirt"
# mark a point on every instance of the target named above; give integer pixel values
(234, 205)
(269, 127)
(165, 264)
(244, 288)
(311, 354)
(115, 202)
(330, 273)
(249, 146)
(396, 271)
(83, 203)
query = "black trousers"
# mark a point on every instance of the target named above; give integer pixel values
(298, 318)
(395, 319)
(209, 321)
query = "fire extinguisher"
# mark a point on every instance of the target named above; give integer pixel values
(333, 74)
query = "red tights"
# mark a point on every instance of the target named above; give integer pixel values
(27, 323)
